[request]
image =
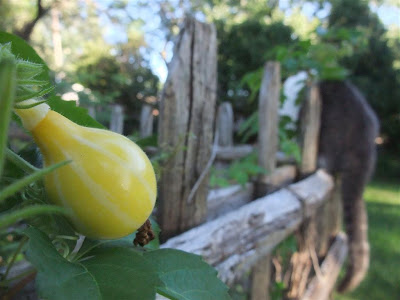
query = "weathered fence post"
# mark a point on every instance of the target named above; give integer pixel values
(146, 121)
(309, 125)
(301, 262)
(268, 105)
(267, 148)
(329, 222)
(117, 118)
(185, 130)
(225, 125)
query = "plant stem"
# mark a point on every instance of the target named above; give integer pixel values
(30, 211)
(18, 185)
(6, 283)
(19, 286)
(21, 244)
(7, 95)
(20, 162)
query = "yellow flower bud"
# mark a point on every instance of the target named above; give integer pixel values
(110, 185)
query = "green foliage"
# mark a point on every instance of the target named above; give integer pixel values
(287, 137)
(121, 273)
(320, 60)
(372, 66)
(240, 171)
(29, 79)
(25, 54)
(249, 127)
(242, 48)
(129, 84)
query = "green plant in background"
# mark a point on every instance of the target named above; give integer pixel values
(66, 264)
(321, 62)
(239, 172)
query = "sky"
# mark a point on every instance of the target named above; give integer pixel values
(389, 15)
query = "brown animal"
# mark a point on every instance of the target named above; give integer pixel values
(347, 148)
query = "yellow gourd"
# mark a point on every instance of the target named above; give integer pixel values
(109, 187)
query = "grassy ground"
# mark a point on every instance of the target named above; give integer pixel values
(383, 279)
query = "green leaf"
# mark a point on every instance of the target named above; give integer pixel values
(29, 70)
(122, 273)
(22, 50)
(147, 141)
(186, 276)
(25, 93)
(57, 278)
(68, 109)
(249, 127)
(127, 241)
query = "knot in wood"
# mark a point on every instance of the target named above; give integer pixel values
(256, 218)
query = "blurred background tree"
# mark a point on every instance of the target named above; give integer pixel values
(104, 45)
(373, 67)
(71, 36)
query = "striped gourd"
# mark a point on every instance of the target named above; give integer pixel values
(109, 187)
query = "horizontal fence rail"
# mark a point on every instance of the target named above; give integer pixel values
(233, 242)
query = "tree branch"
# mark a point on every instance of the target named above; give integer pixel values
(27, 29)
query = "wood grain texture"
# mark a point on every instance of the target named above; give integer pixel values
(268, 105)
(310, 121)
(223, 200)
(235, 241)
(146, 121)
(229, 153)
(225, 124)
(186, 122)
(321, 287)
(306, 236)
(117, 118)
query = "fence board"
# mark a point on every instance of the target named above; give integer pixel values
(307, 233)
(230, 241)
(268, 105)
(186, 127)
(310, 124)
(117, 118)
(225, 124)
(146, 121)
(321, 286)
(223, 200)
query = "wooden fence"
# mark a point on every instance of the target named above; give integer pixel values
(236, 228)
